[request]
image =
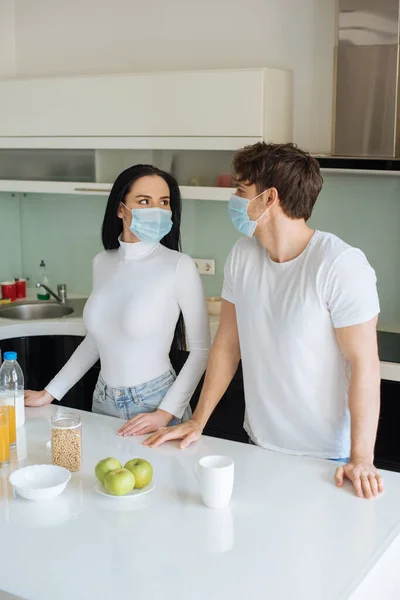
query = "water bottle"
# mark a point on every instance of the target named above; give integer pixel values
(12, 386)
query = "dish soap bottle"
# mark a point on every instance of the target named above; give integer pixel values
(42, 294)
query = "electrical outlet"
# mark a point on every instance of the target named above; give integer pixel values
(205, 266)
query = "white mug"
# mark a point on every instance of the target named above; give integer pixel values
(215, 475)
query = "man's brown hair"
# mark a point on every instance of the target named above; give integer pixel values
(293, 172)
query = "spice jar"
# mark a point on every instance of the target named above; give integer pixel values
(66, 436)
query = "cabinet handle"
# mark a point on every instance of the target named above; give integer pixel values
(84, 189)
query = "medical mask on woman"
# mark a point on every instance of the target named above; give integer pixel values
(150, 224)
(237, 209)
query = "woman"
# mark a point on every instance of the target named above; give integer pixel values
(145, 292)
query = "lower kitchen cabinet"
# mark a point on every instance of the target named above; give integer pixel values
(227, 419)
(42, 357)
(387, 448)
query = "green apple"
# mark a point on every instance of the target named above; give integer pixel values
(119, 482)
(142, 470)
(105, 466)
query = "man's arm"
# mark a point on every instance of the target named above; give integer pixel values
(222, 365)
(358, 343)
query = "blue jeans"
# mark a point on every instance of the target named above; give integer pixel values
(126, 403)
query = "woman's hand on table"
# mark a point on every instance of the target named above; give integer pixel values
(37, 398)
(188, 432)
(365, 478)
(146, 423)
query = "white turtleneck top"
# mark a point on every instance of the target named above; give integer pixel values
(138, 293)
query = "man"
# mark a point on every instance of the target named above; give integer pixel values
(300, 310)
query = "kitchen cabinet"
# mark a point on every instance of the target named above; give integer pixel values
(387, 448)
(227, 419)
(173, 105)
(76, 134)
(41, 357)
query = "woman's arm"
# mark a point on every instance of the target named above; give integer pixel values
(84, 357)
(191, 300)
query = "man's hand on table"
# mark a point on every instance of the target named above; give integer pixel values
(37, 398)
(188, 432)
(365, 478)
(146, 423)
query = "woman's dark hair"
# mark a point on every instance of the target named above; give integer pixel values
(112, 226)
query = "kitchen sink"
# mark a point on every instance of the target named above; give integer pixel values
(27, 311)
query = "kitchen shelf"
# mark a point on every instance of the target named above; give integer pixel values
(359, 172)
(103, 189)
(206, 193)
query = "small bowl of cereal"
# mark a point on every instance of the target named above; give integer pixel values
(40, 482)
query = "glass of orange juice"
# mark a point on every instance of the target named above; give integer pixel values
(9, 402)
(4, 436)
(12, 424)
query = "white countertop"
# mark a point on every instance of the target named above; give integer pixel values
(288, 534)
(68, 325)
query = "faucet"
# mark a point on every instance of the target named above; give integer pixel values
(61, 297)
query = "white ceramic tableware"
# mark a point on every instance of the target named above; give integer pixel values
(215, 475)
(134, 493)
(40, 482)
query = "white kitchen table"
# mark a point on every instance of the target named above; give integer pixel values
(288, 533)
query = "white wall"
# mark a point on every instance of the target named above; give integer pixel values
(99, 36)
(7, 45)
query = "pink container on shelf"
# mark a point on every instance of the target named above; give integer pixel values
(225, 180)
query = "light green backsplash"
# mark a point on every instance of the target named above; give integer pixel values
(207, 232)
(65, 231)
(365, 212)
(10, 237)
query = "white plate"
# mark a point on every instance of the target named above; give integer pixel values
(134, 493)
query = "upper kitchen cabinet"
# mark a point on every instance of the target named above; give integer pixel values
(75, 134)
(252, 104)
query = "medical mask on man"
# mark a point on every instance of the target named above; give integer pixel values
(237, 209)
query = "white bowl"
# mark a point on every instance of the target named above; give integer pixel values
(214, 305)
(40, 482)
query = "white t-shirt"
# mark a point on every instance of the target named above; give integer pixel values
(131, 315)
(296, 379)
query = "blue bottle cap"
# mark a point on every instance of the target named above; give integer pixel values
(10, 356)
